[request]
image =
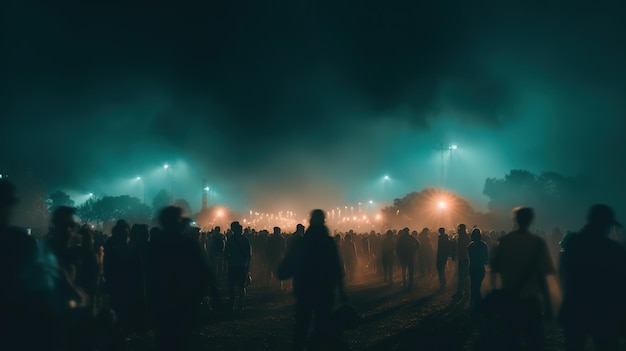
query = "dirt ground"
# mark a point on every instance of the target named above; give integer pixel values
(423, 319)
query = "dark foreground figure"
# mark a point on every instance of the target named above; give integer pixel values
(522, 262)
(177, 279)
(317, 273)
(593, 272)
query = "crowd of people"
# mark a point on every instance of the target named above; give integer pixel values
(84, 290)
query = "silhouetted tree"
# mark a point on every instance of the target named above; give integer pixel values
(429, 208)
(86, 211)
(111, 208)
(558, 199)
(59, 198)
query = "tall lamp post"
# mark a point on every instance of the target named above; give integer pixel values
(143, 188)
(205, 194)
(168, 168)
(443, 150)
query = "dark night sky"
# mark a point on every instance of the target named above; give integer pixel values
(276, 101)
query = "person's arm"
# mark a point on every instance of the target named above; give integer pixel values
(545, 290)
(249, 251)
(485, 258)
(547, 269)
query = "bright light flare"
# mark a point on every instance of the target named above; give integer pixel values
(138, 178)
(386, 177)
(206, 188)
(453, 147)
(442, 204)
(220, 213)
(166, 166)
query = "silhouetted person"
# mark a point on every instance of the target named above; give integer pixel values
(28, 300)
(238, 254)
(522, 261)
(77, 312)
(89, 270)
(478, 253)
(406, 248)
(276, 247)
(593, 269)
(317, 275)
(443, 252)
(216, 250)
(375, 249)
(388, 256)
(426, 256)
(177, 278)
(349, 255)
(297, 235)
(463, 260)
(116, 269)
(136, 289)
(364, 250)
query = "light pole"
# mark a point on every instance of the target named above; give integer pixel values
(443, 150)
(143, 188)
(205, 196)
(168, 169)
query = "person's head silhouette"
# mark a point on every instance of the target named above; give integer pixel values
(523, 217)
(317, 217)
(236, 228)
(442, 231)
(602, 218)
(462, 228)
(476, 234)
(299, 229)
(171, 219)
